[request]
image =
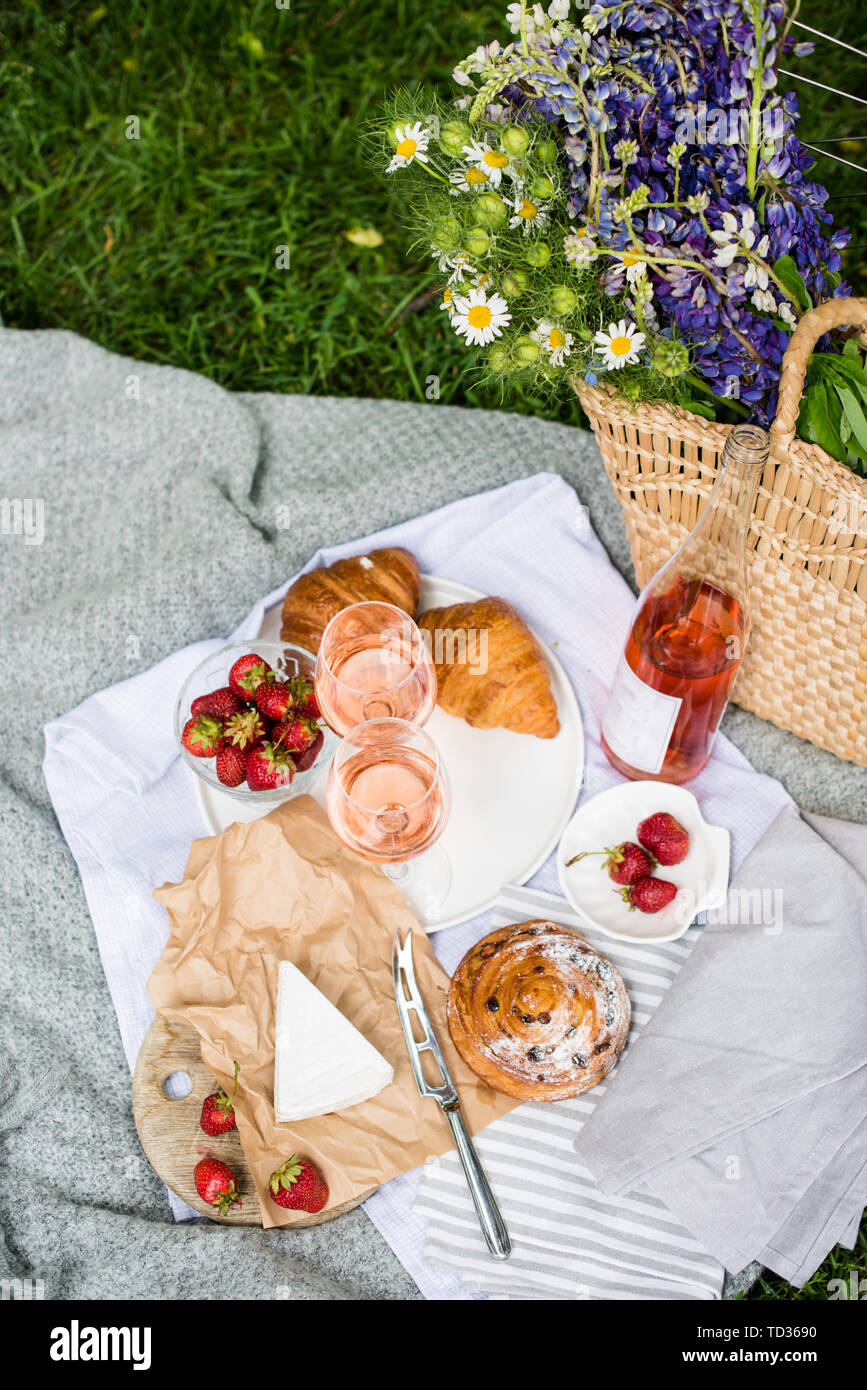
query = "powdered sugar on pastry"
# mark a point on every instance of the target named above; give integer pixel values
(537, 1012)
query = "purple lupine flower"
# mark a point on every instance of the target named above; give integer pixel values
(703, 60)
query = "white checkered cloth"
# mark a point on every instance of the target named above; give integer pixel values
(130, 813)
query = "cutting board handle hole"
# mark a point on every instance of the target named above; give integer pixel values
(178, 1085)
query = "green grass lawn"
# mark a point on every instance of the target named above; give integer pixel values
(165, 247)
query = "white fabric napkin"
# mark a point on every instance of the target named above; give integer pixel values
(743, 1105)
(128, 809)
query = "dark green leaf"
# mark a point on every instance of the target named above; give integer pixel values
(816, 423)
(854, 415)
(700, 408)
(788, 274)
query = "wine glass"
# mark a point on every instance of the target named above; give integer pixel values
(373, 664)
(388, 799)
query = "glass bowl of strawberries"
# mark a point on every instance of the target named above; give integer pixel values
(247, 721)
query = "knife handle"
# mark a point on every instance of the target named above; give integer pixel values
(492, 1224)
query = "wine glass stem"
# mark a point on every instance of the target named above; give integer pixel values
(398, 873)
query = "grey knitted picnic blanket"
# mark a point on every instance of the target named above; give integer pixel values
(143, 508)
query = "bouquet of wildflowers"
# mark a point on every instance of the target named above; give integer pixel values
(620, 198)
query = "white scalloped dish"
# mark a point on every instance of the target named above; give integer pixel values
(614, 816)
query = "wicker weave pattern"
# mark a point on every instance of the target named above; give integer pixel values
(805, 667)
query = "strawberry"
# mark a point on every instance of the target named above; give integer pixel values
(220, 703)
(269, 767)
(649, 894)
(231, 765)
(247, 675)
(310, 754)
(295, 734)
(245, 728)
(218, 1114)
(305, 699)
(626, 862)
(665, 837)
(275, 701)
(298, 1185)
(215, 1184)
(203, 736)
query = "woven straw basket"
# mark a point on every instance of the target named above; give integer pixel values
(805, 667)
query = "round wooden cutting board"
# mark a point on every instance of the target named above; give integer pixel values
(170, 1133)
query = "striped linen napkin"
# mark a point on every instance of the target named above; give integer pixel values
(569, 1240)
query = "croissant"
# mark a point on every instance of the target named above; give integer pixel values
(384, 576)
(537, 1013)
(490, 668)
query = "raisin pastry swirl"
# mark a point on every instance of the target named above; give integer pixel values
(537, 1013)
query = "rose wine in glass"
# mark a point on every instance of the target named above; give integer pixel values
(373, 664)
(388, 799)
(689, 633)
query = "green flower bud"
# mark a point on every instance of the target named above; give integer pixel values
(454, 135)
(526, 350)
(538, 254)
(498, 358)
(515, 282)
(446, 233)
(477, 241)
(516, 140)
(542, 188)
(563, 300)
(670, 358)
(546, 151)
(491, 209)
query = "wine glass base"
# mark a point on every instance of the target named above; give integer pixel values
(423, 883)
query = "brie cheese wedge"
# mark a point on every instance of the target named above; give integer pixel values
(322, 1063)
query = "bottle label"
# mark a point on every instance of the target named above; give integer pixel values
(638, 722)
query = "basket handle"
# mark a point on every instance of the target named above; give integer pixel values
(832, 314)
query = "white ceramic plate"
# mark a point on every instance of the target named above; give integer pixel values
(613, 816)
(512, 794)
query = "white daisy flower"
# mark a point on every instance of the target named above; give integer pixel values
(632, 266)
(458, 266)
(556, 342)
(529, 214)
(620, 345)
(495, 163)
(579, 248)
(469, 179)
(480, 319)
(412, 142)
(448, 300)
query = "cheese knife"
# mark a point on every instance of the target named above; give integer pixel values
(409, 1002)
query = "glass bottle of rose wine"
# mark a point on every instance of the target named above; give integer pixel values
(689, 633)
